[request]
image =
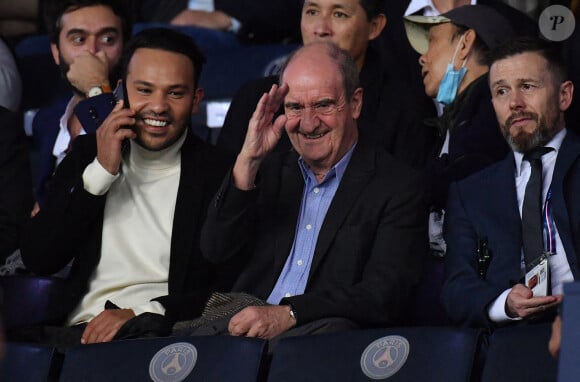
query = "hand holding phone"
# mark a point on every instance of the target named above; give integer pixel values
(113, 136)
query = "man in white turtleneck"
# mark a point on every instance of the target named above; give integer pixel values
(128, 204)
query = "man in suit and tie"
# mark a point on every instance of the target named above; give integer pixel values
(512, 228)
(333, 230)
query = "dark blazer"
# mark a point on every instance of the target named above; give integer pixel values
(70, 227)
(390, 116)
(368, 253)
(15, 181)
(475, 141)
(45, 128)
(484, 206)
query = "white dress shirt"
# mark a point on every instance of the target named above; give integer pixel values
(560, 272)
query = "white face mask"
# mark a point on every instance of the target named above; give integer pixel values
(452, 79)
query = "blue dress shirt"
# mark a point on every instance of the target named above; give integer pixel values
(316, 199)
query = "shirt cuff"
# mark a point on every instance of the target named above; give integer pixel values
(150, 307)
(201, 5)
(496, 310)
(96, 179)
(236, 25)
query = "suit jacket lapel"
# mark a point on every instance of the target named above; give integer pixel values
(291, 187)
(568, 154)
(503, 197)
(358, 173)
(187, 210)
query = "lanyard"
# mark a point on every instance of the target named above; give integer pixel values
(549, 226)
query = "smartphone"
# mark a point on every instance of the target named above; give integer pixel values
(120, 92)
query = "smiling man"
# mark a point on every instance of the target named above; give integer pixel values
(531, 237)
(333, 230)
(391, 114)
(127, 205)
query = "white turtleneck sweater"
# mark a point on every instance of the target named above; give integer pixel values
(137, 227)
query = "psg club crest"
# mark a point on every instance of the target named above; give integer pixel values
(384, 357)
(173, 363)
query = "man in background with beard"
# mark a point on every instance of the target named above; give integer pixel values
(512, 229)
(87, 38)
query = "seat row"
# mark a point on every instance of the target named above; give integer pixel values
(399, 354)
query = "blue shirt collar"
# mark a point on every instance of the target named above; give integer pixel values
(338, 169)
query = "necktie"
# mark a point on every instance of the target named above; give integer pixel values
(532, 227)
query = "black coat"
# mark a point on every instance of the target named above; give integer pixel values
(69, 227)
(369, 249)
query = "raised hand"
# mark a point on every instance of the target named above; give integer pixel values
(263, 134)
(110, 136)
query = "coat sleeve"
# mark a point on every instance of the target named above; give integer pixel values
(91, 112)
(229, 226)
(58, 232)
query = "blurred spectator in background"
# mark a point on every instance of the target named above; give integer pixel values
(454, 48)
(15, 181)
(21, 17)
(255, 20)
(402, 57)
(87, 38)
(10, 83)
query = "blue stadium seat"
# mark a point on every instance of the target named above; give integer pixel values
(29, 300)
(211, 358)
(29, 363)
(568, 365)
(400, 354)
(520, 353)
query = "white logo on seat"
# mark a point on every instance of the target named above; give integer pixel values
(173, 363)
(384, 357)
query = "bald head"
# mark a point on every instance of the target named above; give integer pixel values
(326, 55)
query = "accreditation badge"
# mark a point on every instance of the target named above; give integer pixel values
(538, 276)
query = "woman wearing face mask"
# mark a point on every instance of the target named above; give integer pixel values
(453, 48)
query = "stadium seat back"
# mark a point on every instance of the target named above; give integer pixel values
(30, 300)
(519, 353)
(399, 354)
(208, 358)
(29, 362)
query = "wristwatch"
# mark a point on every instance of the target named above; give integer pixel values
(98, 90)
(292, 312)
